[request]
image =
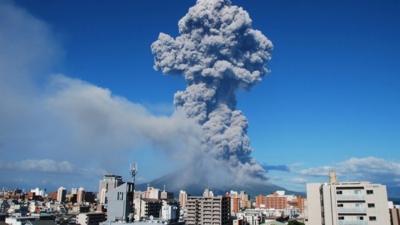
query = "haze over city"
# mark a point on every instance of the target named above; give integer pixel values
(88, 87)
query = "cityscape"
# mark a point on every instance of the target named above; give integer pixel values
(199, 112)
(118, 202)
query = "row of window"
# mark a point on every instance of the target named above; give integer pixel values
(371, 218)
(370, 205)
(369, 192)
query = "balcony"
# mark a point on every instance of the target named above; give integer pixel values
(353, 222)
(350, 197)
(352, 210)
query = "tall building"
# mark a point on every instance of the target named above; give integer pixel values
(61, 194)
(207, 210)
(109, 182)
(245, 202)
(80, 196)
(120, 203)
(182, 199)
(38, 192)
(342, 203)
(394, 212)
(235, 202)
(169, 211)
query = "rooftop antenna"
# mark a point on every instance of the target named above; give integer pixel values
(133, 170)
(164, 187)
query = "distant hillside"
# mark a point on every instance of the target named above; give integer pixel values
(171, 181)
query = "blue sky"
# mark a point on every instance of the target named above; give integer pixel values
(332, 94)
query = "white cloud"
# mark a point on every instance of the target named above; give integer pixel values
(359, 168)
(372, 169)
(101, 122)
(38, 165)
(64, 120)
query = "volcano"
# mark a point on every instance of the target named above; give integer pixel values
(173, 184)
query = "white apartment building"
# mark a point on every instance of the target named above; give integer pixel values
(61, 194)
(38, 192)
(346, 203)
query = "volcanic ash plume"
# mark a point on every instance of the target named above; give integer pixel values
(217, 51)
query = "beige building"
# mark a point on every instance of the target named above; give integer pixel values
(183, 198)
(80, 196)
(152, 193)
(346, 203)
(61, 194)
(394, 215)
(207, 211)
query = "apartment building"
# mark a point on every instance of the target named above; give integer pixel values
(120, 203)
(207, 210)
(146, 208)
(280, 200)
(108, 183)
(394, 212)
(346, 203)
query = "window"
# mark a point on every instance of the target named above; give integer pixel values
(339, 192)
(371, 205)
(372, 218)
(120, 196)
(361, 218)
(339, 205)
(370, 192)
(341, 217)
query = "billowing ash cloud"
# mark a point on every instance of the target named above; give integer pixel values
(218, 52)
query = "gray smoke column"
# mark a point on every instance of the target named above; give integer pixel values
(218, 52)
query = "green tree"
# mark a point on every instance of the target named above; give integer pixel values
(294, 222)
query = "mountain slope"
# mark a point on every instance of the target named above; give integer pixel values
(173, 184)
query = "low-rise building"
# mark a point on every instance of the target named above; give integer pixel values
(92, 218)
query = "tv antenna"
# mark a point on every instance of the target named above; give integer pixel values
(133, 171)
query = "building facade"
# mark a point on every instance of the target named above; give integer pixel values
(80, 196)
(394, 215)
(61, 194)
(120, 203)
(146, 208)
(207, 210)
(347, 203)
(92, 218)
(108, 183)
(183, 198)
